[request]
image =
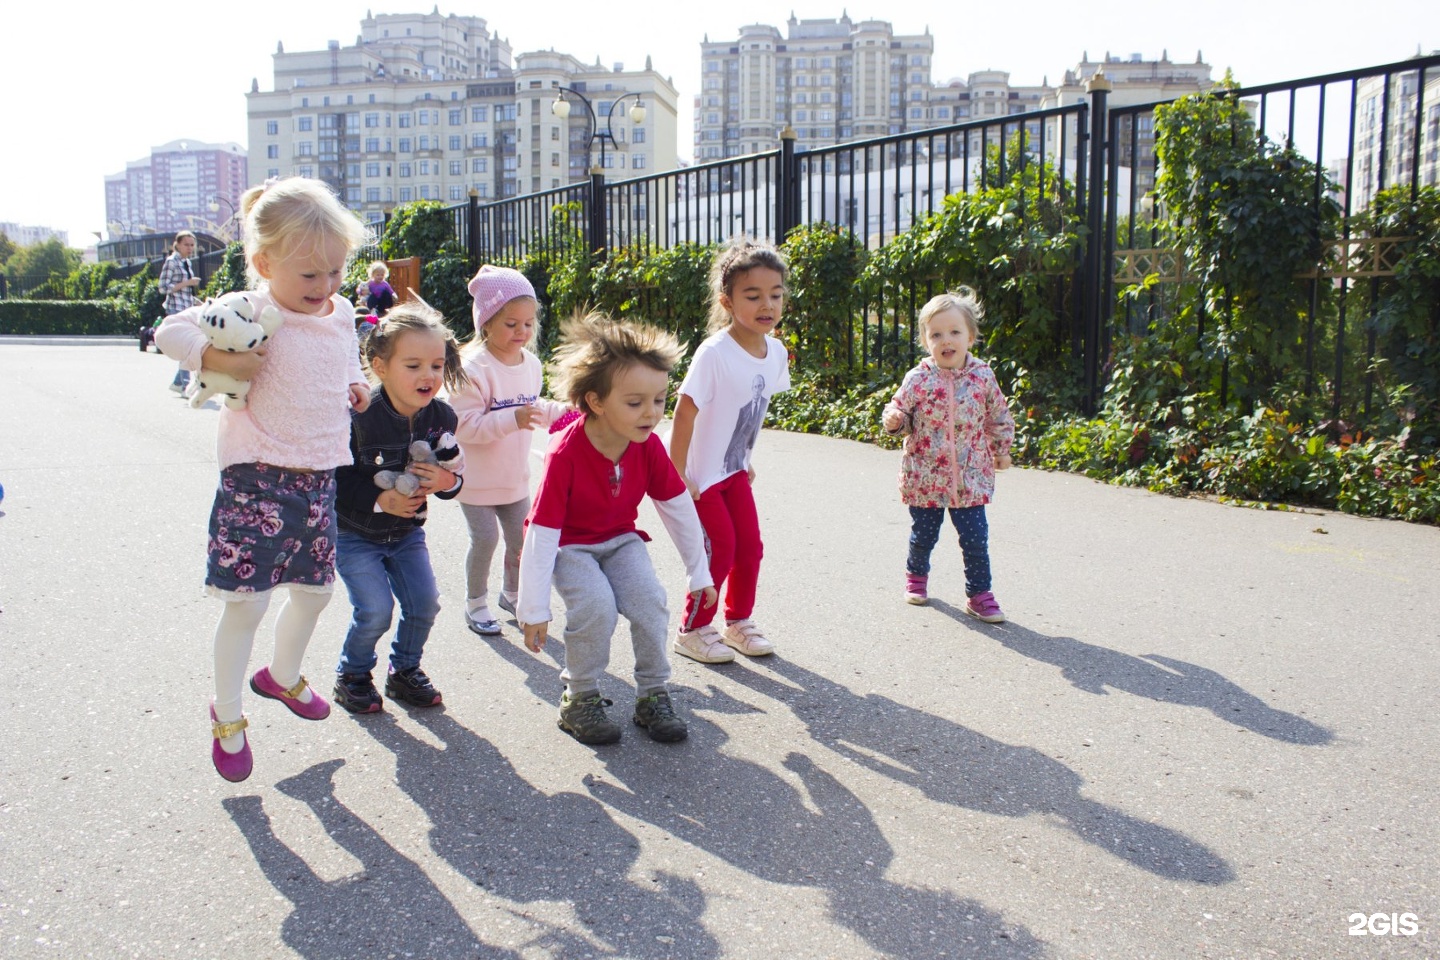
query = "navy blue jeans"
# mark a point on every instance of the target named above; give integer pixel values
(376, 575)
(974, 530)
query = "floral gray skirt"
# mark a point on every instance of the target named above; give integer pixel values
(271, 526)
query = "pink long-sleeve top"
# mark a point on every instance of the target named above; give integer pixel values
(497, 452)
(297, 413)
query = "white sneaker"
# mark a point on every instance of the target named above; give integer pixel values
(703, 644)
(746, 637)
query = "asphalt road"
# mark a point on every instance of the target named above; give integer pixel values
(1206, 732)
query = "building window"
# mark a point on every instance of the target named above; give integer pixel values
(404, 169)
(483, 189)
(272, 127)
(372, 194)
(372, 119)
(404, 120)
(305, 148)
(638, 135)
(454, 116)
(455, 142)
(425, 168)
(554, 133)
(455, 168)
(372, 144)
(272, 152)
(305, 123)
(638, 161)
(479, 165)
(307, 171)
(272, 172)
(406, 195)
(423, 117)
(554, 159)
(457, 192)
(477, 114)
(372, 169)
(509, 163)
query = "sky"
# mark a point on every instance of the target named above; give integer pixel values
(118, 79)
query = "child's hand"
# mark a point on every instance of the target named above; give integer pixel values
(892, 419)
(693, 487)
(433, 478)
(1002, 462)
(399, 505)
(706, 598)
(535, 635)
(750, 475)
(359, 397)
(528, 417)
(241, 366)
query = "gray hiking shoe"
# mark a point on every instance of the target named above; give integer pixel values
(655, 714)
(584, 719)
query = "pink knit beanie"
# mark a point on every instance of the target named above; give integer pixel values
(492, 288)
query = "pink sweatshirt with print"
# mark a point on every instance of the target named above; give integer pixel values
(298, 411)
(956, 424)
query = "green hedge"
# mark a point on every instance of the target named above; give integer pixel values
(66, 318)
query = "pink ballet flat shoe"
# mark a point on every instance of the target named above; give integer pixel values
(232, 766)
(317, 709)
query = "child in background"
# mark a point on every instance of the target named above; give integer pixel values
(273, 519)
(379, 296)
(498, 411)
(382, 555)
(958, 432)
(717, 420)
(581, 531)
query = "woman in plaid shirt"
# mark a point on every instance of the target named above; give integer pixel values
(178, 284)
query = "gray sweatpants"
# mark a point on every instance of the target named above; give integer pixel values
(599, 583)
(485, 533)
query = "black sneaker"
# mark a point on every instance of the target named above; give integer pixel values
(356, 692)
(413, 687)
(656, 715)
(585, 719)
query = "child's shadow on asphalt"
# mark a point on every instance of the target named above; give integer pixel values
(955, 765)
(358, 915)
(1094, 668)
(526, 846)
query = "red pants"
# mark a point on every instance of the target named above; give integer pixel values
(732, 538)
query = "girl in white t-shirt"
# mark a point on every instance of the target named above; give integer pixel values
(498, 413)
(717, 420)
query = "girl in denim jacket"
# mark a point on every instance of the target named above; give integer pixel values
(958, 432)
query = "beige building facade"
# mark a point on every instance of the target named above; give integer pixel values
(432, 106)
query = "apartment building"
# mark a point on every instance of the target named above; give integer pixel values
(1397, 115)
(24, 235)
(175, 187)
(432, 106)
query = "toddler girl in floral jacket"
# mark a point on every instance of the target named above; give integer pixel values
(958, 432)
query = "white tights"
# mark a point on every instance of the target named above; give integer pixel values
(235, 636)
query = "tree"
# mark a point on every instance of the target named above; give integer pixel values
(45, 259)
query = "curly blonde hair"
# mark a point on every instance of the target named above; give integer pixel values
(594, 349)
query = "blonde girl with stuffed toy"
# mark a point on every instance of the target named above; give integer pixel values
(272, 523)
(499, 410)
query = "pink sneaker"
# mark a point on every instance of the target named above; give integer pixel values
(982, 606)
(317, 709)
(915, 589)
(232, 766)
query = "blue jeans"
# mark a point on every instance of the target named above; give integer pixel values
(377, 574)
(182, 378)
(974, 530)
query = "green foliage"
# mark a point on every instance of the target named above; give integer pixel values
(141, 296)
(823, 305)
(49, 258)
(1014, 243)
(420, 229)
(1246, 216)
(7, 248)
(837, 406)
(444, 283)
(65, 317)
(230, 277)
(1405, 310)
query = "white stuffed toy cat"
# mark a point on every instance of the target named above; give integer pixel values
(231, 324)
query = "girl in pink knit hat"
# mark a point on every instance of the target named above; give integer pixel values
(499, 412)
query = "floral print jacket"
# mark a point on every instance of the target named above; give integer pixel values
(956, 424)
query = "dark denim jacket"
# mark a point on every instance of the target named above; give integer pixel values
(380, 439)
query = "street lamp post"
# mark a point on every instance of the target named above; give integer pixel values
(561, 109)
(215, 202)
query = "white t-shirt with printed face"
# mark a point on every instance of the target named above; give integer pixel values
(732, 389)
